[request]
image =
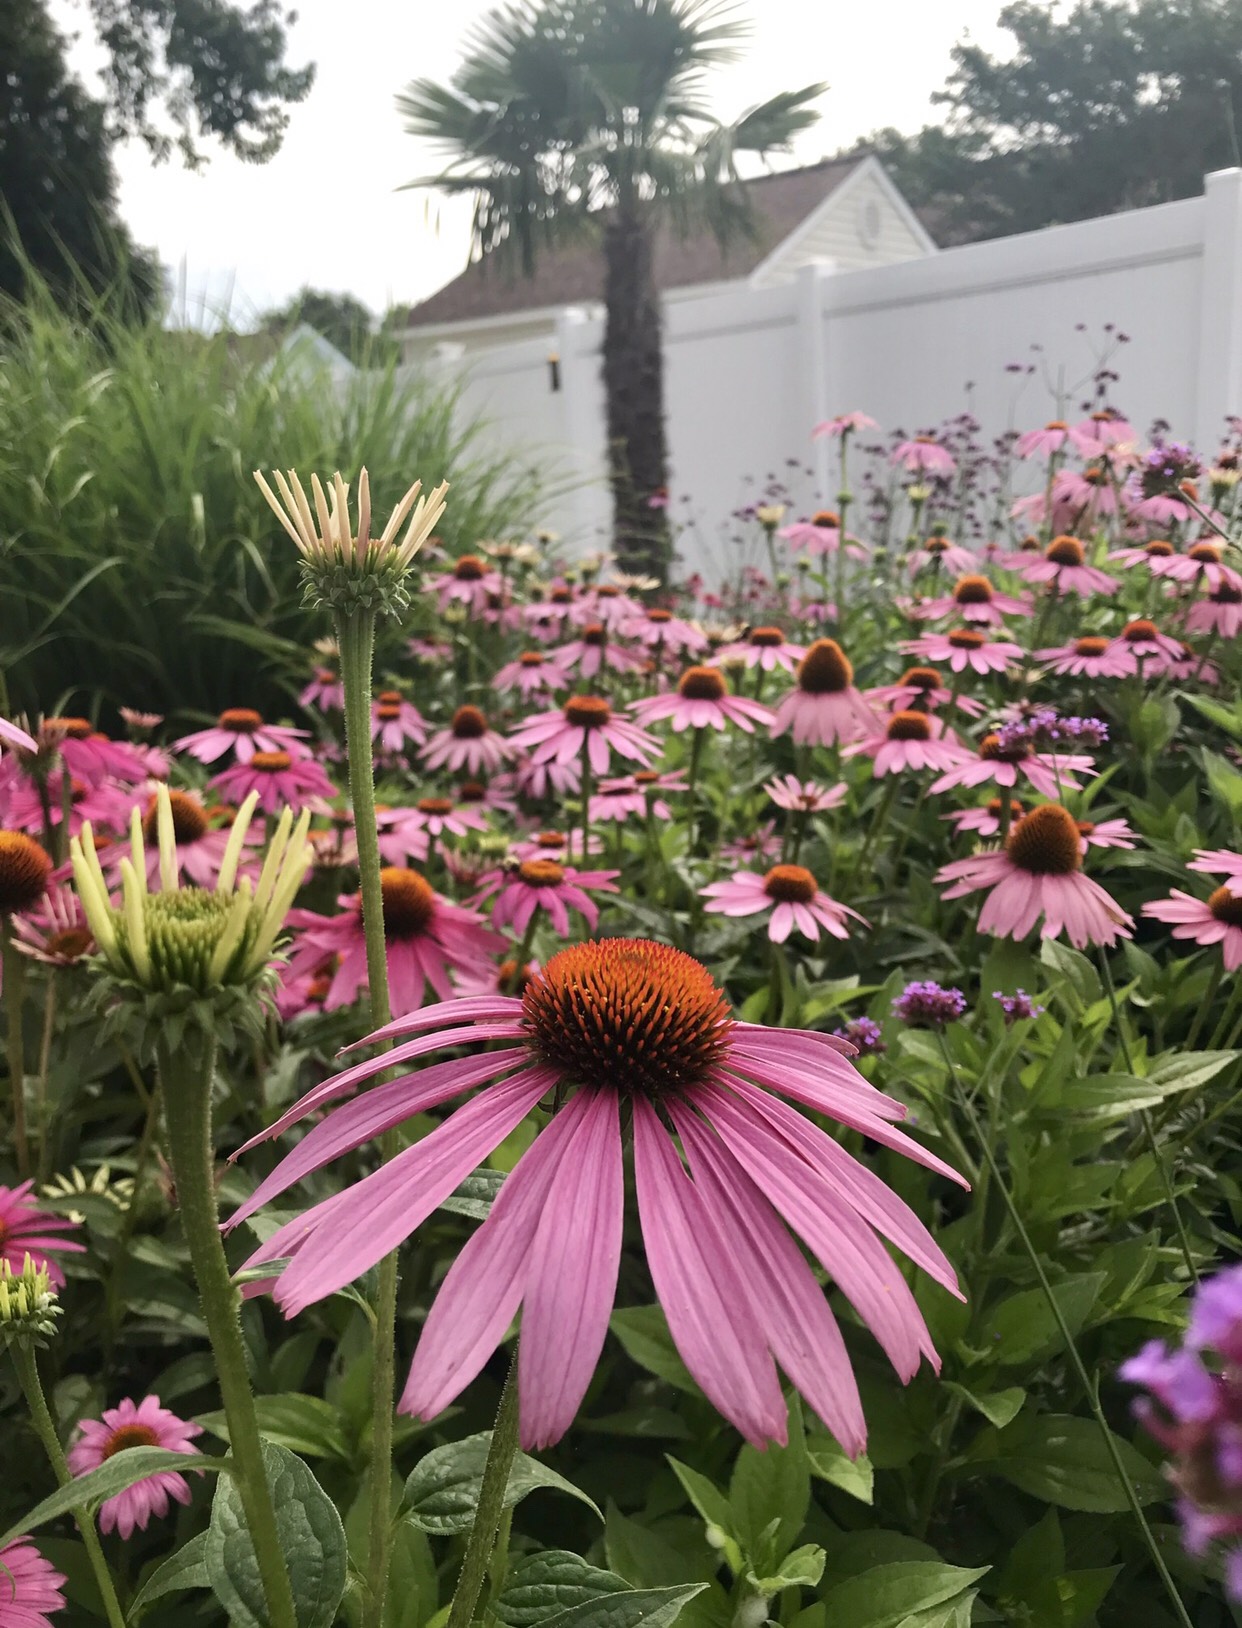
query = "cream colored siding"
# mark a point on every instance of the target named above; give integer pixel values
(860, 227)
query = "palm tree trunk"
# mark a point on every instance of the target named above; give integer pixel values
(634, 392)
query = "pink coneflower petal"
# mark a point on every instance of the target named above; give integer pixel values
(699, 1287)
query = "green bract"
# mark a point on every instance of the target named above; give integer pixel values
(28, 1308)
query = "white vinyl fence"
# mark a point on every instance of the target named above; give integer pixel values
(748, 372)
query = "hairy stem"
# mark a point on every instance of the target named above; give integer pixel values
(488, 1515)
(14, 989)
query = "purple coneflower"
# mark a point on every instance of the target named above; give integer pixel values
(1039, 873)
(963, 647)
(1220, 613)
(1090, 656)
(130, 1424)
(241, 730)
(824, 707)
(325, 691)
(278, 780)
(30, 1587)
(544, 884)
(763, 647)
(585, 722)
(394, 721)
(665, 633)
(469, 744)
(909, 740)
(625, 1024)
(702, 701)
(975, 600)
(1064, 564)
(530, 673)
(923, 455)
(1043, 443)
(1007, 753)
(1214, 920)
(25, 1229)
(804, 796)
(594, 649)
(790, 896)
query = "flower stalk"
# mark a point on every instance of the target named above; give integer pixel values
(14, 964)
(481, 1543)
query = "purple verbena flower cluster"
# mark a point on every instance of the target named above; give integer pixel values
(1165, 467)
(1195, 1412)
(926, 1005)
(1042, 729)
(865, 1033)
(1017, 1006)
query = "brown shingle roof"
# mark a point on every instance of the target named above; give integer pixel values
(574, 272)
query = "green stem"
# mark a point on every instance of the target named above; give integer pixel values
(186, 1076)
(32, 1387)
(45, 1063)
(487, 1517)
(696, 752)
(116, 1276)
(878, 824)
(1149, 1130)
(14, 964)
(586, 799)
(1205, 1005)
(1071, 1349)
(355, 636)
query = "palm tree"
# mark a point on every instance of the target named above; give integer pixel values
(585, 116)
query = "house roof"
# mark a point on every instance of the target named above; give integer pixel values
(574, 273)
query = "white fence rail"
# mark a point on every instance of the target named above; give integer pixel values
(749, 371)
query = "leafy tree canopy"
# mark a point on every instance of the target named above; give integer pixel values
(342, 320)
(1101, 106)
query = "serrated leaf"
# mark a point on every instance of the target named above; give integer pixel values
(312, 1540)
(637, 1608)
(122, 1470)
(186, 1568)
(442, 1492)
(884, 1596)
(547, 1584)
(1065, 1461)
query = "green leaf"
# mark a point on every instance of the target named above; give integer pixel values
(830, 1462)
(1065, 1461)
(1076, 970)
(643, 1333)
(1224, 780)
(303, 1424)
(122, 1470)
(1227, 718)
(886, 1596)
(1185, 1070)
(476, 1195)
(715, 1509)
(547, 1584)
(442, 1492)
(1023, 1326)
(772, 1486)
(801, 1569)
(413, 1586)
(650, 1559)
(185, 1568)
(997, 1407)
(312, 1541)
(636, 1608)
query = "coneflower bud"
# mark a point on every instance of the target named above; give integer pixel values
(345, 569)
(28, 1305)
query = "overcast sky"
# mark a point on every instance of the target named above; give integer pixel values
(326, 211)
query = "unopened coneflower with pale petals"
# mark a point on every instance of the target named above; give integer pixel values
(134, 1424)
(789, 895)
(824, 707)
(702, 701)
(346, 567)
(1038, 873)
(625, 1028)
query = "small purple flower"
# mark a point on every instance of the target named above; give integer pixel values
(926, 1005)
(1017, 1006)
(1166, 467)
(865, 1033)
(1216, 1321)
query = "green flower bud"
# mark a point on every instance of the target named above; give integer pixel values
(28, 1306)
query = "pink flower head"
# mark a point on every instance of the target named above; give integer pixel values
(594, 650)
(279, 780)
(530, 673)
(563, 846)
(242, 730)
(1153, 555)
(430, 650)
(425, 936)
(753, 847)
(200, 837)
(804, 797)
(924, 456)
(586, 723)
(55, 930)
(1004, 762)
(130, 1424)
(1104, 834)
(909, 740)
(394, 721)
(1088, 657)
(550, 779)
(702, 701)
(791, 896)
(666, 633)
(1219, 862)
(824, 707)
(1104, 432)
(544, 884)
(30, 1587)
(625, 1024)
(1220, 612)
(964, 647)
(469, 583)
(1189, 664)
(630, 796)
(1064, 564)
(469, 743)
(975, 600)
(844, 424)
(1140, 640)
(923, 690)
(25, 1229)
(324, 691)
(986, 820)
(90, 756)
(1214, 920)
(405, 833)
(764, 647)
(1202, 562)
(1043, 443)
(608, 604)
(1039, 873)
(943, 555)
(1080, 499)
(821, 534)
